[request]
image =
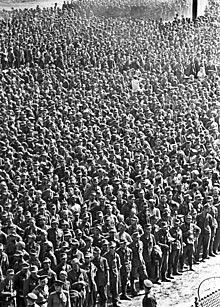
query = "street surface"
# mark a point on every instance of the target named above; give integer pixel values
(183, 290)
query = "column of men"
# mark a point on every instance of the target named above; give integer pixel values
(68, 268)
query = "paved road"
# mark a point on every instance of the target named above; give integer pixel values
(183, 290)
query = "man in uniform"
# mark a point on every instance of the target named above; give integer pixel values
(90, 269)
(31, 300)
(102, 276)
(149, 300)
(7, 290)
(78, 283)
(205, 223)
(189, 232)
(42, 291)
(138, 268)
(31, 282)
(176, 249)
(162, 237)
(125, 254)
(114, 264)
(46, 270)
(19, 280)
(60, 297)
(149, 242)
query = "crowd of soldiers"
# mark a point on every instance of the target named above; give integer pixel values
(109, 154)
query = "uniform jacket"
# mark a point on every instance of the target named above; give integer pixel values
(59, 299)
(102, 271)
(190, 232)
(114, 264)
(148, 244)
(125, 258)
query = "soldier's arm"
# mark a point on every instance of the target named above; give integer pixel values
(106, 271)
(50, 301)
(196, 230)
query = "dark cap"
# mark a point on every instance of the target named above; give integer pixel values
(32, 296)
(58, 283)
(42, 277)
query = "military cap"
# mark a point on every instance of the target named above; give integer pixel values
(63, 273)
(32, 236)
(58, 283)
(188, 217)
(96, 250)
(164, 224)
(75, 242)
(54, 221)
(123, 241)
(18, 254)
(112, 230)
(105, 242)
(148, 283)
(34, 268)
(176, 221)
(32, 296)
(136, 234)
(10, 272)
(42, 277)
(112, 244)
(46, 260)
(25, 265)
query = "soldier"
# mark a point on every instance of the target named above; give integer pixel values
(162, 237)
(31, 300)
(114, 264)
(125, 254)
(46, 270)
(31, 282)
(149, 242)
(205, 223)
(4, 263)
(138, 267)
(176, 249)
(78, 282)
(19, 280)
(90, 269)
(63, 265)
(102, 276)
(60, 297)
(42, 291)
(149, 300)
(7, 290)
(55, 234)
(190, 231)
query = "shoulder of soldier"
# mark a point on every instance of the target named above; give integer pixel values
(52, 293)
(82, 271)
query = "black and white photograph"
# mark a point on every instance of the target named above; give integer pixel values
(110, 153)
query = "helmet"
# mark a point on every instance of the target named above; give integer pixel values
(148, 283)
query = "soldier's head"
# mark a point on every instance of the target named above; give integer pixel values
(10, 274)
(96, 252)
(31, 299)
(88, 257)
(136, 236)
(188, 219)
(43, 280)
(176, 223)
(34, 270)
(63, 276)
(46, 263)
(75, 264)
(112, 247)
(147, 285)
(148, 228)
(58, 285)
